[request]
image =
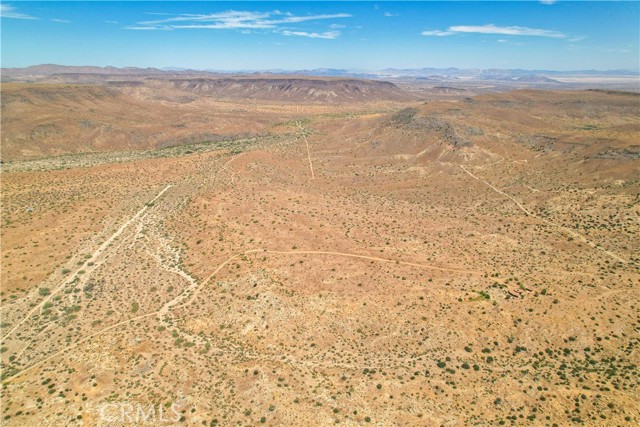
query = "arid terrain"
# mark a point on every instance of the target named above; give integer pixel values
(298, 251)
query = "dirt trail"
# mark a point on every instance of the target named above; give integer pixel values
(76, 344)
(308, 152)
(101, 249)
(197, 290)
(18, 354)
(427, 266)
(216, 271)
(546, 221)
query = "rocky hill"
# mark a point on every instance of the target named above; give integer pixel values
(292, 89)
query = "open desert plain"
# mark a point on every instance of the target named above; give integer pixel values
(300, 251)
(319, 213)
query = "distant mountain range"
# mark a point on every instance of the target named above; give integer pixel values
(435, 74)
(516, 72)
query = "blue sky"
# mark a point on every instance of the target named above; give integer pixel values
(562, 35)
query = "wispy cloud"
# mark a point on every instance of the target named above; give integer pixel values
(511, 31)
(437, 33)
(325, 35)
(548, 2)
(389, 14)
(142, 28)
(236, 20)
(8, 11)
(494, 29)
(222, 20)
(62, 21)
(509, 42)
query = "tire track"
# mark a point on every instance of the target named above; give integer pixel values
(561, 227)
(313, 176)
(101, 249)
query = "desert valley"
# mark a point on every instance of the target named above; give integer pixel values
(297, 251)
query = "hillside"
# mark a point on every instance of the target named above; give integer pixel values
(303, 90)
(42, 119)
(52, 119)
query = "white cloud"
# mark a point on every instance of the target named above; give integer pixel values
(494, 29)
(548, 2)
(219, 26)
(389, 14)
(232, 19)
(8, 11)
(63, 21)
(437, 33)
(325, 35)
(293, 19)
(511, 31)
(509, 42)
(140, 28)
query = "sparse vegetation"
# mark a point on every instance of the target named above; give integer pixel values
(381, 291)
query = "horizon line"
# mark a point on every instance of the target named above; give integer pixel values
(254, 70)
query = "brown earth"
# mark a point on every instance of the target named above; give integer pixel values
(444, 263)
(46, 119)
